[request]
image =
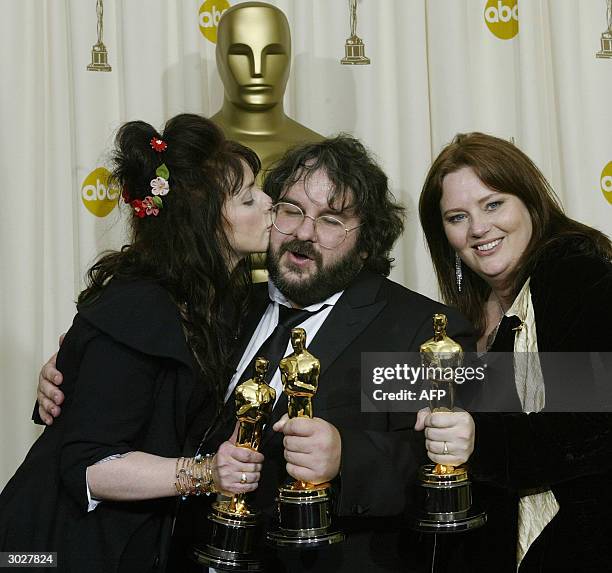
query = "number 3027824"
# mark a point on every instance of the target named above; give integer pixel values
(28, 559)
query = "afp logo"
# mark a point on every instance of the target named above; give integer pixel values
(97, 195)
(606, 182)
(209, 16)
(501, 17)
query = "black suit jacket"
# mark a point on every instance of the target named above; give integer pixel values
(380, 451)
(570, 452)
(130, 385)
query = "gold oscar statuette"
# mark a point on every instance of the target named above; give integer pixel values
(606, 37)
(354, 48)
(304, 512)
(99, 55)
(235, 525)
(444, 491)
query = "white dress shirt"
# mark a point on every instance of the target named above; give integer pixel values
(268, 323)
(536, 509)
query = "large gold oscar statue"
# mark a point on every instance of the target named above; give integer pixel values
(445, 491)
(303, 508)
(253, 59)
(234, 525)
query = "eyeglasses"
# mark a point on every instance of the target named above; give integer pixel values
(329, 231)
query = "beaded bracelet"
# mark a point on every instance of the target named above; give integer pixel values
(194, 476)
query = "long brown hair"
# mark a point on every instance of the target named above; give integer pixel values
(502, 167)
(184, 248)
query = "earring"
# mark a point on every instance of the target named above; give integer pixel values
(458, 272)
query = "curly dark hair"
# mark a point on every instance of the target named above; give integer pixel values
(357, 181)
(501, 166)
(184, 249)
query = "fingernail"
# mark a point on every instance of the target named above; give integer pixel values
(56, 378)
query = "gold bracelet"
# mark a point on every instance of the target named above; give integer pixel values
(194, 476)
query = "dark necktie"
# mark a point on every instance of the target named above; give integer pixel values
(273, 348)
(504, 339)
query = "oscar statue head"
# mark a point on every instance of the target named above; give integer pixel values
(298, 339)
(254, 55)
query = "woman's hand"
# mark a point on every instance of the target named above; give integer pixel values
(236, 469)
(449, 436)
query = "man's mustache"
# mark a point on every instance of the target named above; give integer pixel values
(304, 248)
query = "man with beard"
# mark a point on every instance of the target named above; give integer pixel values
(335, 222)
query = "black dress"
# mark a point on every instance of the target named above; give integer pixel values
(129, 384)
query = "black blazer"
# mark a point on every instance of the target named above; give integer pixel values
(569, 452)
(380, 452)
(130, 385)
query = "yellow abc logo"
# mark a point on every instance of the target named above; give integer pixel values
(502, 19)
(96, 194)
(209, 16)
(606, 182)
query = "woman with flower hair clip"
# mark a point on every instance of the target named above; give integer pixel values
(160, 315)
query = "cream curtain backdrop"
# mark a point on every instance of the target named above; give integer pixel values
(437, 68)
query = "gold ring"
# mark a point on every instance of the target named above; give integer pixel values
(444, 451)
(243, 478)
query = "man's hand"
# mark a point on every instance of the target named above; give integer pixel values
(313, 448)
(48, 395)
(455, 429)
(232, 463)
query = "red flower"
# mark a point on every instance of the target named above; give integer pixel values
(158, 145)
(150, 207)
(139, 208)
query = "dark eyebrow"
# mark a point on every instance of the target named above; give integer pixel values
(450, 211)
(292, 201)
(480, 202)
(329, 211)
(486, 198)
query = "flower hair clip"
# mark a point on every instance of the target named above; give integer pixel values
(151, 204)
(158, 145)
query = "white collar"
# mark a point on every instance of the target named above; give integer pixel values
(520, 305)
(277, 296)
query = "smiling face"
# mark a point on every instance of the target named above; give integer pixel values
(488, 229)
(253, 55)
(303, 270)
(247, 218)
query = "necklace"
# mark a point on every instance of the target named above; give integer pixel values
(493, 333)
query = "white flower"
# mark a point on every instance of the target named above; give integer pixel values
(159, 186)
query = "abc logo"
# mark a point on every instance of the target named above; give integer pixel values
(210, 14)
(97, 196)
(501, 17)
(606, 182)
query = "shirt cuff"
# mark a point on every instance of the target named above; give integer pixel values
(92, 503)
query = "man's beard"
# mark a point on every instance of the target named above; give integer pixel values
(323, 283)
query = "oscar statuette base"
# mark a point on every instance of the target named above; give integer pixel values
(354, 52)
(304, 518)
(606, 46)
(446, 502)
(232, 542)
